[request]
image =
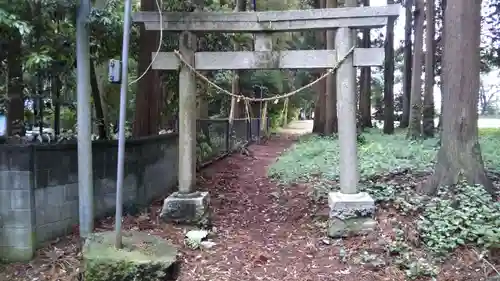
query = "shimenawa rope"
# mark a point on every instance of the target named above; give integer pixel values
(274, 98)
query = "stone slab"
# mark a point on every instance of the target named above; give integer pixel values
(142, 257)
(192, 208)
(350, 214)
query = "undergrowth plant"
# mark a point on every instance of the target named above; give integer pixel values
(203, 148)
(459, 215)
(468, 215)
(413, 265)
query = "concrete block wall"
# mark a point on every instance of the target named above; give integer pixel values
(17, 238)
(39, 187)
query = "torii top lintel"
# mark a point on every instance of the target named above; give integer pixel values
(270, 21)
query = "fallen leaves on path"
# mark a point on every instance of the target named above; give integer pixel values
(261, 233)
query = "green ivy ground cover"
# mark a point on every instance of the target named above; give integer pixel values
(468, 215)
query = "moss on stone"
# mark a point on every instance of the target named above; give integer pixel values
(143, 257)
(16, 254)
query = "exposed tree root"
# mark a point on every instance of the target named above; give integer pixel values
(458, 161)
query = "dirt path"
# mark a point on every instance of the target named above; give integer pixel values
(258, 238)
(262, 235)
(298, 127)
(265, 233)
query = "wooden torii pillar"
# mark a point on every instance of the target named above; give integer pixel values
(351, 210)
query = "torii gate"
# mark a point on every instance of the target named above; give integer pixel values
(351, 210)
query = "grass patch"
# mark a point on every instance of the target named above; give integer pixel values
(489, 140)
(318, 157)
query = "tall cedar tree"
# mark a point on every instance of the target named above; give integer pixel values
(460, 154)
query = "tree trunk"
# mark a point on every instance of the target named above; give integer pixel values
(320, 106)
(202, 97)
(202, 92)
(389, 77)
(415, 129)
(331, 85)
(56, 97)
(319, 109)
(460, 153)
(428, 113)
(202, 110)
(147, 100)
(234, 112)
(15, 104)
(405, 118)
(443, 34)
(101, 71)
(365, 105)
(285, 112)
(202, 106)
(96, 96)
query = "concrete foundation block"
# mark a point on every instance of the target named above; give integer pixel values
(14, 254)
(192, 208)
(350, 214)
(142, 257)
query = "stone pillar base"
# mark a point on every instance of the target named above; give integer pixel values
(350, 214)
(191, 208)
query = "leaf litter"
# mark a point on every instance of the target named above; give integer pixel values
(263, 232)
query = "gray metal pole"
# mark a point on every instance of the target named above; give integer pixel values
(121, 133)
(85, 180)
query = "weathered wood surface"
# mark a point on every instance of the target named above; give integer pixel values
(187, 116)
(306, 59)
(239, 26)
(358, 17)
(263, 42)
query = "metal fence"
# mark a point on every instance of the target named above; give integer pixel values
(218, 137)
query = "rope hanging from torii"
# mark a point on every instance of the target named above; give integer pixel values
(274, 98)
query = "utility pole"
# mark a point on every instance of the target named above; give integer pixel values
(85, 180)
(121, 131)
